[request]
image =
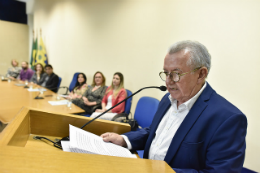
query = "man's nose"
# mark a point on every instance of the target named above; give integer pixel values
(169, 79)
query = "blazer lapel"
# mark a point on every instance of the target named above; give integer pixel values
(188, 122)
(165, 104)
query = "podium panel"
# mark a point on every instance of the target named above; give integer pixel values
(19, 152)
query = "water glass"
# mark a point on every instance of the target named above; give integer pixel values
(69, 102)
(58, 97)
(41, 90)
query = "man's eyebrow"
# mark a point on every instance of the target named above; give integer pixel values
(176, 69)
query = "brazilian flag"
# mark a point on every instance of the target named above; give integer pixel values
(34, 52)
(41, 54)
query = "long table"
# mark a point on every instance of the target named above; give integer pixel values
(13, 98)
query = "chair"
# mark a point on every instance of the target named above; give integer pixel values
(144, 113)
(60, 79)
(74, 81)
(58, 86)
(128, 102)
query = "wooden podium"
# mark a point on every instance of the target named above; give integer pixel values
(19, 152)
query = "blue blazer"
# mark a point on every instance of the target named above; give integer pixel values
(211, 138)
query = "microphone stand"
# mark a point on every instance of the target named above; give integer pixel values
(26, 86)
(117, 105)
(37, 97)
(58, 143)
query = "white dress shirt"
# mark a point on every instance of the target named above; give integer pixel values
(109, 102)
(168, 127)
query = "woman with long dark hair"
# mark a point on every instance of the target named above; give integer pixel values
(80, 87)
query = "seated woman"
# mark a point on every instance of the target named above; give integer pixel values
(14, 71)
(80, 87)
(91, 99)
(114, 94)
(39, 75)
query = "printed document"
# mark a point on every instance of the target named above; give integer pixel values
(82, 141)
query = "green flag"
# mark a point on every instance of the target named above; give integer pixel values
(34, 53)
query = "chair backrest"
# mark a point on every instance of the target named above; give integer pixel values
(128, 103)
(60, 79)
(74, 81)
(145, 111)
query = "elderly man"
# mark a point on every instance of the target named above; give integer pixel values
(194, 128)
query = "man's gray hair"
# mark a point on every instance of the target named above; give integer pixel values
(199, 54)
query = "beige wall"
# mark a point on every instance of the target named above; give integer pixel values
(133, 36)
(14, 44)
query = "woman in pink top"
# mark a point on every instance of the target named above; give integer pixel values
(114, 94)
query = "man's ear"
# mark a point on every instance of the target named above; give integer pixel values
(203, 72)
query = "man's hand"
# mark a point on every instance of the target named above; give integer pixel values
(114, 138)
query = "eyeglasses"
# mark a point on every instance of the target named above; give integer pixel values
(175, 76)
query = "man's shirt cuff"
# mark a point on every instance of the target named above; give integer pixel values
(128, 143)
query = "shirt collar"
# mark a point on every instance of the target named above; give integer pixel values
(188, 104)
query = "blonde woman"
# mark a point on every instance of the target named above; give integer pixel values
(14, 71)
(114, 94)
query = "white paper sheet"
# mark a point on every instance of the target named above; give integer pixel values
(36, 89)
(65, 146)
(85, 142)
(106, 116)
(60, 102)
(62, 95)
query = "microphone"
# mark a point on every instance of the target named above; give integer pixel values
(37, 97)
(162, 88)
